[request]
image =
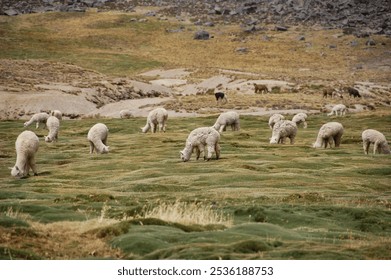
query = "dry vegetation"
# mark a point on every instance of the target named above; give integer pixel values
(141, 202)
(120, 44)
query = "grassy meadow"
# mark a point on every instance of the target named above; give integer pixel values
(141, 202)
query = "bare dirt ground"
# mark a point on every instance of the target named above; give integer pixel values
(31, 86)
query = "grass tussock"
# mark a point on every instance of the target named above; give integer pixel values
(188, 214)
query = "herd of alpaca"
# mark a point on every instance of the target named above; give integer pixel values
(201, 140)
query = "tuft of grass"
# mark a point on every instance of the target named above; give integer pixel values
(188, 213)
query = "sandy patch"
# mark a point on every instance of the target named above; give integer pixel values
(215, 82)
(169, 82)
(139, 107)
(167, 74)
(32, 102)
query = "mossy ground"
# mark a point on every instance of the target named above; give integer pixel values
(284, 201)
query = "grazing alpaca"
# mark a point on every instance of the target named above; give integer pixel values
(380, 145)
(200, 138)
(221, 97)
(329, 133)
(260, 88)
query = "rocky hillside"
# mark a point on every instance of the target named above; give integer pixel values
(359, 17)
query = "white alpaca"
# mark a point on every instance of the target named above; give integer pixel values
(200, 138)
(38, 118)
(26, 146)
(329, 133)
(57, 114)
(300, 118)
(275, 118)
(125, 114)
(97, 136)
(283, 129)
(228, 118)
(380, 145)
(157, 117)
(53, 124)
(338, 110)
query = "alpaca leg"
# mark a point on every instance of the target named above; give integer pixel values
(325, 142)
(91, 147)
(222, 128)
(32, 165)
(375, 147)
(217, 149)
(237, 126)
(153, 127)
(210, 152)
(365, 146)
(199, 150)
(337, 140)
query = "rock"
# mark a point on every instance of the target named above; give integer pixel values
(242, 50)
(354, 43)
(281, 28)
(11, 12)
(370, 42)
(201, 35)
(209, 24)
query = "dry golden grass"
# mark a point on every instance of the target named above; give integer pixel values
(188, 214)
(118, 43)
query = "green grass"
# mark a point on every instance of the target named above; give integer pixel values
(286, 202)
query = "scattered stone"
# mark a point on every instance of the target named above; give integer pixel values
(354, 43)
(209, 24)
(201, 35)
(11, 12)
(358, 17)
(370, 42)
(301, 38)
(281, 28)
(242, 50)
